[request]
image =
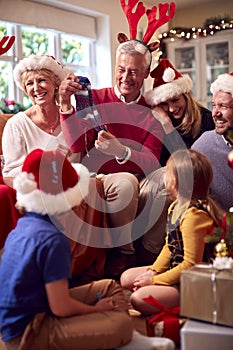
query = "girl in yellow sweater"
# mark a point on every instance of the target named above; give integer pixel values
(191, 217)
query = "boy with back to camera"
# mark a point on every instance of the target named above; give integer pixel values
(37, 309)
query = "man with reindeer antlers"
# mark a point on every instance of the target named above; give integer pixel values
(118, 137)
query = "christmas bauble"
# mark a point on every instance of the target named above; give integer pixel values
(221, 249)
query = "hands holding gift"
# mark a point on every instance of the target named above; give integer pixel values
(109, 144)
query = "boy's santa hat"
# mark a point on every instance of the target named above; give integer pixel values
(50, 184)
(168, 83)
(37, 62)
(224, 83)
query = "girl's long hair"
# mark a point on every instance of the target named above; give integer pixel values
(191, 122)
(193, 175)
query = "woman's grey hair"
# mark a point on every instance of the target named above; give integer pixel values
(133, 47)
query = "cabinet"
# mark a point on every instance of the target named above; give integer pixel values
(203, 59)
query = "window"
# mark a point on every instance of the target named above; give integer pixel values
(6, 66)
(78, 55)
(75, 52)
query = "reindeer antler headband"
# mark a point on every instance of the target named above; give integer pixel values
(8, 45)
(166, 13)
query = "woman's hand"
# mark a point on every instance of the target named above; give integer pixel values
(8, 181)
(109, 144)
(145, 279)
(163, 118)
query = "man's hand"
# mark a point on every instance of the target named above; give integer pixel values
(69, 86)
(109, 144)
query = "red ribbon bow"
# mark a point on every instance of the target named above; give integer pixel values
(170, 318)
(165, 311)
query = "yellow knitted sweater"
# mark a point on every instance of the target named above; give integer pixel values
(195, 224)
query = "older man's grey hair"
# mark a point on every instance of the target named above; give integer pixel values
(133, 47)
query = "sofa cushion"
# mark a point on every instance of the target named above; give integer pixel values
(3, 120)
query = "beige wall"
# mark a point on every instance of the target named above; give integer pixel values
(109, 20)
(195, 16)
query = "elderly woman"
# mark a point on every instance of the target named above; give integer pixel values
(39, 127)
(39, 77)
(182, 117)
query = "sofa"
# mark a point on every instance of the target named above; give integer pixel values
(3, 119)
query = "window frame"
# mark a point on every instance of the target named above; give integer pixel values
(15, 54)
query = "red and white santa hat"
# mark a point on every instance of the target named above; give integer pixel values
(224, 83)
(50, 184)
(38, 62)
(168, 83)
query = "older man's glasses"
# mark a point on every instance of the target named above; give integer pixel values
(221, 106)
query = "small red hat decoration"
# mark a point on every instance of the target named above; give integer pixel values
(4, 49)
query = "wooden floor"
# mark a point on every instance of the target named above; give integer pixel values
(2, 346)
(139, 322)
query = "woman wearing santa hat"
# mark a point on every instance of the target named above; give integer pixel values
(39, 127)
(182, 117)
(39, 77)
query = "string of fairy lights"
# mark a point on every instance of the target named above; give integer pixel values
(194, 33)
(211, 26)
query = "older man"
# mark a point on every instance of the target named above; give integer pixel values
(126, 150)
(214, 145)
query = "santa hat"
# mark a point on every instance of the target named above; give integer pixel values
(35, 62)
(168, 83)
(224, 83)
(50, 184)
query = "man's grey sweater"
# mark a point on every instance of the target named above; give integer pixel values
(213, 146)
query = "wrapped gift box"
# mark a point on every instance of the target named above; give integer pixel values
(206, 294)
(166, 323)
(168, 328)
(205, 336)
